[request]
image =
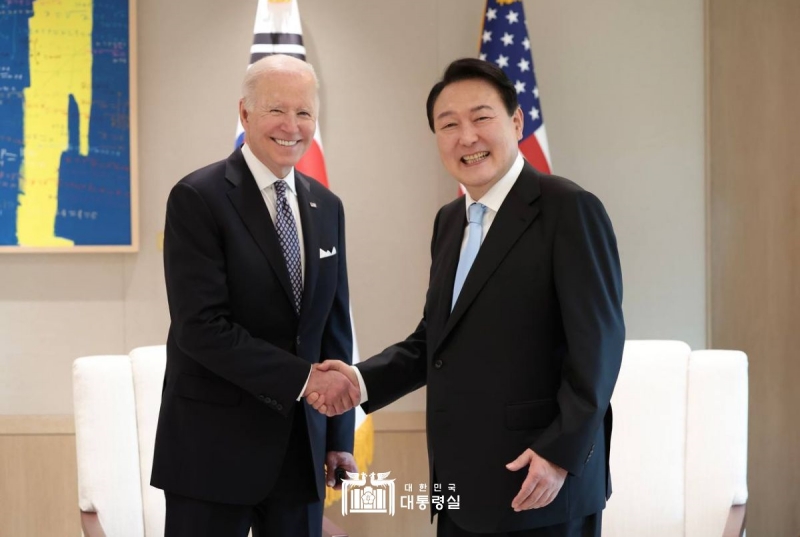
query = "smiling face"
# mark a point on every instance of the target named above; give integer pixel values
(281, 118)
(477, 139)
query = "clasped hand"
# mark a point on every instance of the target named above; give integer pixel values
(332, 388)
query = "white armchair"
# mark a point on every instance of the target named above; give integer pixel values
(678, 454)
(117, 399)
(679, 447)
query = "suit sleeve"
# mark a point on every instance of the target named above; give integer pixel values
(199, 304)
(402, 368)
(588, 283)
(337, 343)
(397, 371)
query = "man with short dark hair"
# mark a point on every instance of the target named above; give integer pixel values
(521, 339)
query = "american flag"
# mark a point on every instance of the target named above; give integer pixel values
(278, 31)
(504, 42)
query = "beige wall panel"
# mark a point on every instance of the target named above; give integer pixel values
(622, 94)
(146, 312)
(50, 318)
(381, 157)
(38, 485)
(621, 83)
(755, 224)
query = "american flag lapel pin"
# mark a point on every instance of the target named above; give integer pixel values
(313, 205)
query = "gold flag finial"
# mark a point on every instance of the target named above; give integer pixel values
(504, 2)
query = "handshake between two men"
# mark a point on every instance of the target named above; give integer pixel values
(333, 388)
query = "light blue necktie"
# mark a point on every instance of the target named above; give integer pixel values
(470, 252)
(290, 244)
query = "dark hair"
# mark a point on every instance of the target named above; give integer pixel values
(470, 69)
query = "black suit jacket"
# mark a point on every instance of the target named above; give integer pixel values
(238, 355)
(528, 358)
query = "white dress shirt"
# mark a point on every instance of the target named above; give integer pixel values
(493, 199)
(265, 180)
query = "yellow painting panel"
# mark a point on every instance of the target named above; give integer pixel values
(60, 35)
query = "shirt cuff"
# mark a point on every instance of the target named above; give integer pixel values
(361, 386)
(304, 385)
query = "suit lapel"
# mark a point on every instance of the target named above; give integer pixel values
(451, 230)
(249, 203)
(308, 219)
(516, 214)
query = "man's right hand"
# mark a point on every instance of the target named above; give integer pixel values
(333, 402)
(332, 390)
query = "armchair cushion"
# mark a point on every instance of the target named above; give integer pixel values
(107, 447)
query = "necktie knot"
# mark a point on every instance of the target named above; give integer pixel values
(280, 188)
(476, 211)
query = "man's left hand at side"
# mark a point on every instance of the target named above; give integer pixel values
(338, 459)
(542, 484)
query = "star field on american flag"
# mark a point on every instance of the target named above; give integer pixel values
(504, 42)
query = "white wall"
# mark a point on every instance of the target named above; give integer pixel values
(622, 92)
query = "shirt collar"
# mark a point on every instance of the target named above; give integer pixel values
(263, 175)
(496, 195)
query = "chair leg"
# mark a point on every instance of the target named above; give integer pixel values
(734, 527)
(91, 525)
(329, 529)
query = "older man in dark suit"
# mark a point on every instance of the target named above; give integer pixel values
(254, 257)
(521, 339)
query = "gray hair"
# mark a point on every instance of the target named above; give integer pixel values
(267, 65)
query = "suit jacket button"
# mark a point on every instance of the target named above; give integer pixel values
(297, 340)
(280, 406)
(267, 400)
(262, 397)
(438, 364)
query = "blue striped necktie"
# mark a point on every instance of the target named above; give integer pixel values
(470, 252)
(290, 244)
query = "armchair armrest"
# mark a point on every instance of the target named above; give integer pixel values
(734, 527)
(91, 525)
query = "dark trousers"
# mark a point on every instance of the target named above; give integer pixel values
(187, 517)
(292, 508)
(589, 526)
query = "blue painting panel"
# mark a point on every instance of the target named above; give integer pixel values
(94, 195)
(14, 78)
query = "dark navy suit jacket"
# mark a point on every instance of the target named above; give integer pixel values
(238, 355)
(528, 358)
